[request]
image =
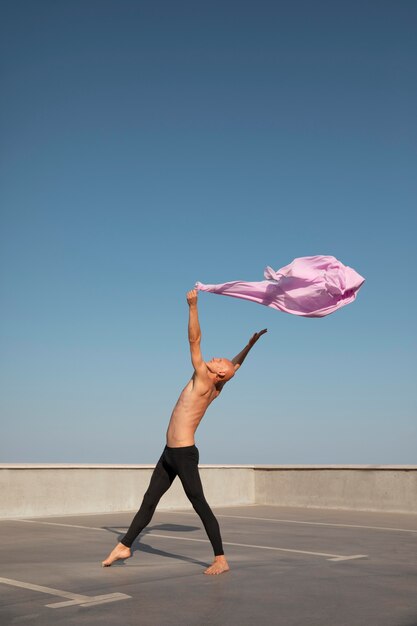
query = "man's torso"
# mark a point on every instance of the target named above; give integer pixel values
(188, 413)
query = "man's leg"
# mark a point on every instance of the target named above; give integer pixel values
(161, 480)
(187, 467)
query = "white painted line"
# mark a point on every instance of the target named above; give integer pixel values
(261, 519)
(50, 590)
(349, 558)
(34, 521)
(335, 557)
(91, 600)
(75, 598)
(292, 521)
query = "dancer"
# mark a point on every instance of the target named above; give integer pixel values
(180, 456)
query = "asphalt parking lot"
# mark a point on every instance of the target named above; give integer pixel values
(289, 567)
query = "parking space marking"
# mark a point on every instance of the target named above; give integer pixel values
(335, 557)
(292, 521)
(34, 521)
(74, 598)
(261, 519)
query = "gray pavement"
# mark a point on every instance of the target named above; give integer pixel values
(289, 567)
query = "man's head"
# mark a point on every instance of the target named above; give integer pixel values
(222, 368)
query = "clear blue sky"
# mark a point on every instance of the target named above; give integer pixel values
(147, 145)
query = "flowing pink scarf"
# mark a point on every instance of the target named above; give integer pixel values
(312, 286)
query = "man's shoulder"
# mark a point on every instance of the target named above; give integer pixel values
(202, 383)
(202, 373)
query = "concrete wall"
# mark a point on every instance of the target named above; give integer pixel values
(41, 490)
(38, 490)
(363, 488)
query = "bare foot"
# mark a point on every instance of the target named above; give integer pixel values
(120, 552)
(218, 566)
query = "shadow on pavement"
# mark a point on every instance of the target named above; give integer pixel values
(138, 546)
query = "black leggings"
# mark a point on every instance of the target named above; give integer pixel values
(184, 463)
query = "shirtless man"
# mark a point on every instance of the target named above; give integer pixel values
(180, 456)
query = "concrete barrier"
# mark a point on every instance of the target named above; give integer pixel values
(31, 490)
(362, 487)
(38, 490)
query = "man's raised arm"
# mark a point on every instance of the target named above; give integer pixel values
(239, 358)
(194, 333)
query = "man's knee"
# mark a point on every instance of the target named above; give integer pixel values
(194, 495)
(149, 500)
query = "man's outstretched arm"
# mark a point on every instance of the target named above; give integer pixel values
(194, 333)
(239, 358)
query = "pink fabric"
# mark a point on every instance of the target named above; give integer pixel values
(312, 286)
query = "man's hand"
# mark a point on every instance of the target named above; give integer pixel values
(192, 297)
(256, 336)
